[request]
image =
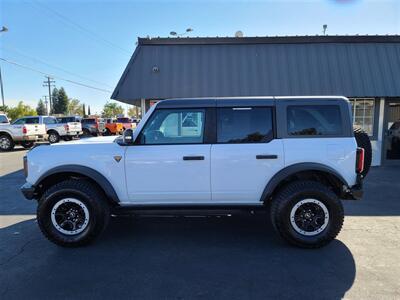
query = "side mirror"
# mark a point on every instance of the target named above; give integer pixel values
(127, 137)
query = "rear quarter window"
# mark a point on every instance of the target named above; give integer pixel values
(314, 120)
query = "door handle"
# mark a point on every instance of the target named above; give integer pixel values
(266, 156)
(199, 157)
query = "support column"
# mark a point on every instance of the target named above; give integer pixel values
(142, 108)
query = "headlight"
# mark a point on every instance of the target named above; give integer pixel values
(25, 159)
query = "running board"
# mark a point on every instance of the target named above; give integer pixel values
(187, 209)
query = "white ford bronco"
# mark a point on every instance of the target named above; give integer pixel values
(297, 156)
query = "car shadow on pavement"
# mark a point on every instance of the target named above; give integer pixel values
(236, 257)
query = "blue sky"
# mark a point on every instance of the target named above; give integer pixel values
(41, 30)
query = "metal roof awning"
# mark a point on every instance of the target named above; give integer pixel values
(354, 66)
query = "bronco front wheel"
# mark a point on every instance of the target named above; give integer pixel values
(72, 213)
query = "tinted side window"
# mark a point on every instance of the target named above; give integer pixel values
(3, 119)
(174, 126)
(314, 120)
(66, 120)
(19, 122)
(88, 121)
(32, 121)
(49, 120)
(244, 125)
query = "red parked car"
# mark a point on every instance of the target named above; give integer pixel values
(126, 122)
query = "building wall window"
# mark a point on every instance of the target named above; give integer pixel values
(363, 114)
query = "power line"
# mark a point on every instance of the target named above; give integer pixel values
(80, 27)
(52, 66)
(53, 76)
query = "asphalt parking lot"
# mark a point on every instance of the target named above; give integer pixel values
(237, 257)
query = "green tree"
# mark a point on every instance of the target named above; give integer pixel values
(41, 108)
(60, 103)
(74, 107)
(111, 109)
(84, 109)
(88, 110)
(54, 100)
(133, 111)
(21, 110)
(4, 109)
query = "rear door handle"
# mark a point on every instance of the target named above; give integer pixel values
(199, 157)
(266, 156)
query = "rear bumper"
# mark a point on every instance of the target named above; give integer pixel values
(28, 190)
(74, 133)
(33, 138)
(356, 192)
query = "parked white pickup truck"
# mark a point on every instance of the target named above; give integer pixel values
(54, 129)
(24, 134)
(73, 126)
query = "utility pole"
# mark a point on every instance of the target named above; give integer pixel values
(49, 83)
(46, 102)
(3, 29)
(2, 92)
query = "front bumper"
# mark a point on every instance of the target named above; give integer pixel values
(28, 190)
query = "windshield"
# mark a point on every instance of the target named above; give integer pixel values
(123, 120)
(89, 121)
(67, 120)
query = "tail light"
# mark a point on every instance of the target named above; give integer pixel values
(96, 125)
(24, 130)
(66, 127)
(360, 160)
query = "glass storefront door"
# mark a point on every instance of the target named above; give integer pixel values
(392, 136)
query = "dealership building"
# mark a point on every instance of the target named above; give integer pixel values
(366, 69)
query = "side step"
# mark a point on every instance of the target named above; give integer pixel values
(188, 210)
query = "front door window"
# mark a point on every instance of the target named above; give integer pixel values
(172, 126)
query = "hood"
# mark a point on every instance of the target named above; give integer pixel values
(90, 140)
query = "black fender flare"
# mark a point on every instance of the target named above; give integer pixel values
(296, 168)
(87, 172)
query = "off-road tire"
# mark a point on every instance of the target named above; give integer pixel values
(27, 145)
(289, 196)
(86, 132)
(11, 143)
(107, 132)
(363, 141)
(53, 137)
(84, 191)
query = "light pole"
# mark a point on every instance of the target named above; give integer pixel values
(3, 29)
(173, 33)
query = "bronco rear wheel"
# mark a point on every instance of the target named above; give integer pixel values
(72, 213)
(307, 214)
